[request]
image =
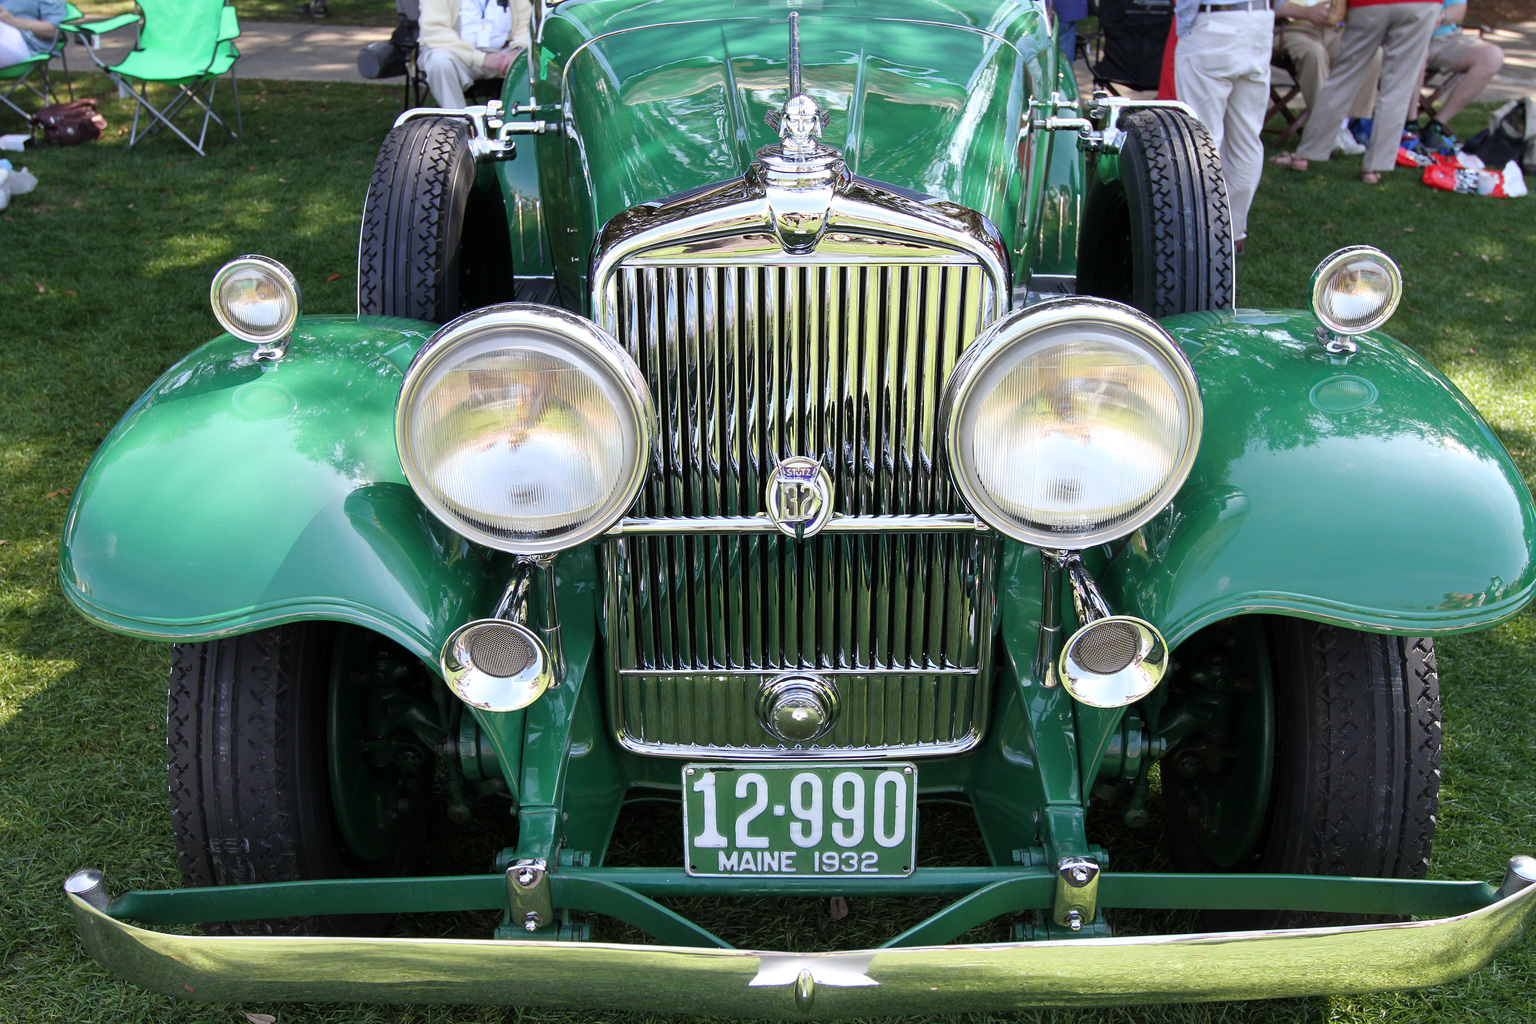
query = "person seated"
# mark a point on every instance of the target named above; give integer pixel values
(1453, 49)
(1309, 32)
(466, 41)
(28, 28)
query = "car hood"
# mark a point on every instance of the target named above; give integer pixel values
(666, 96)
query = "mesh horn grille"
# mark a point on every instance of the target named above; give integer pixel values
(501, 651)
(1107, 647)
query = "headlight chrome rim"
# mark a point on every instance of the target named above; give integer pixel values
(585, 341)
(280, 276)
(1323, 278)
(1003, 339)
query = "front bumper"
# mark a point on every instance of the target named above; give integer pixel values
(912, 980)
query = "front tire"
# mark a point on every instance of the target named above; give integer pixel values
(1329, 766)
(268, 743)
(433, 244)
(1159, 236)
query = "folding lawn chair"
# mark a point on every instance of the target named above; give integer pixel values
(1283, 90)
(16, 77)
(1132, 35)
(185, 43)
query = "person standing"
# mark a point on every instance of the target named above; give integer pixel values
(465, 41)
(1401, 29)
(1310, 33)
(1221, 69)
(1068, 13)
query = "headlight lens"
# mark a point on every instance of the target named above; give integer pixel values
(256, 299)
(1356, 290)
(1071, 423)
(525, 428)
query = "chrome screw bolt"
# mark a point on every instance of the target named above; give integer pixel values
(532, 921)
(1074, 920)
(1080, 876)
(526, 877)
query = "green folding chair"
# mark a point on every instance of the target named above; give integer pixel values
(188, 44)
(17, 77)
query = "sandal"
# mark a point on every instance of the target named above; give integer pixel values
(1290, 160)
(1371, 177)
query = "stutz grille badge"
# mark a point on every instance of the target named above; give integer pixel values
(799, 497)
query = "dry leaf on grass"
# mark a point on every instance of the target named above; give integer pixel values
(261, 1018)
(838, 907)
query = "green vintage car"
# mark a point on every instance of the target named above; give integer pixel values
(812, 434)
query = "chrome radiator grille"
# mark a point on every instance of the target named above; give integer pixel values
(749, 364)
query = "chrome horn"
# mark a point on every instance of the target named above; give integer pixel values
(502, 663)
(1112, 660)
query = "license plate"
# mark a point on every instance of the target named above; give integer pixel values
(800, 820)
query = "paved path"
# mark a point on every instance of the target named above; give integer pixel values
(322, 52)
(308, 51)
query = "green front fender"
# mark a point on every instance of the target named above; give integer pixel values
(1364, 491)
(236, 494)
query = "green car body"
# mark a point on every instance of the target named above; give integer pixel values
(1357, 489)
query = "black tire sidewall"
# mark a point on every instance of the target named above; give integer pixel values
(250, 787)
(411, 240)
(1158, 236)
(1355, 783)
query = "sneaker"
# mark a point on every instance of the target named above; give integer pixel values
(1360, 128)
(1435, 138)
(1346, 143)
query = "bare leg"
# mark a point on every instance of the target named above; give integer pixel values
(1478, 66)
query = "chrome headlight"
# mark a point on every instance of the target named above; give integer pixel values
(1356, 290)
(256, 299)
(1071, 423)
(525, 428)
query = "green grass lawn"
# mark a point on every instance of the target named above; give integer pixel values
(104, 276)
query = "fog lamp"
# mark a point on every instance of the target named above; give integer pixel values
(257, 300)
(1356, 290)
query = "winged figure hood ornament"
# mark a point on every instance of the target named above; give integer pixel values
(799, 121)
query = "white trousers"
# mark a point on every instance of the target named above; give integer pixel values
(1221, 69)
(13, 48)
(448, 77)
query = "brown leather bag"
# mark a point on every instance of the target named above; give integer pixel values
(69, 124)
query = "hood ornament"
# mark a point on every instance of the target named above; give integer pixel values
(799, 175)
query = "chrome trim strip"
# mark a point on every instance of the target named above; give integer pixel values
(905, 981)
(956, 523)
(732, 223)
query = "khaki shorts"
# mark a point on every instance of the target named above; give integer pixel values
(1452, 51)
